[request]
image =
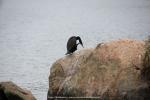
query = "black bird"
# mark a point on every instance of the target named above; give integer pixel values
(72, 44)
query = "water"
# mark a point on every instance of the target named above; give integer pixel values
(33, 33)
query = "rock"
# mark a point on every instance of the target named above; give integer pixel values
(146, 62)
(111, 71)
(10, 91)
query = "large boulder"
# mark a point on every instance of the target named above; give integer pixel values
(145, 72)
(10, 91)
(111, 71)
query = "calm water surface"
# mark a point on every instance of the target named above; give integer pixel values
(33, 33)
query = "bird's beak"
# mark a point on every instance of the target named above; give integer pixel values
(82, 45)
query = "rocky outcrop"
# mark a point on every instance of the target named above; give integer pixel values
(145, 72)
(10, 91)
(111, 71)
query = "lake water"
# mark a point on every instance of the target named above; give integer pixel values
(33, 33)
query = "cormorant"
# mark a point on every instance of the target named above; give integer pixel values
(72, 44)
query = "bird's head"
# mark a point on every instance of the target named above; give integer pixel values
(80, 41)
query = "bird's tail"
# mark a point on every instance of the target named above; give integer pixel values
(67, 52)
